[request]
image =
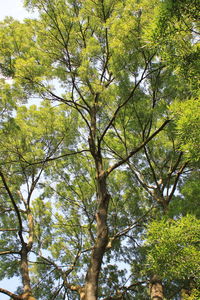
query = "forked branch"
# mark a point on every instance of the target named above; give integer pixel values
(137, 149)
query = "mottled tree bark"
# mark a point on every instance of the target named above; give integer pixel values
(156, 288)
(26, 248)
(25, 270)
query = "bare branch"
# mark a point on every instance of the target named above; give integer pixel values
(152, 168)
(56, 157)
(14, 205)
(137, 149)
(143, 76)
(127, 229)
(176, 181)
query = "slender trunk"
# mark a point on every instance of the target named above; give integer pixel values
(101, 241)
(91, 287)
(156, 288)
(92, 276)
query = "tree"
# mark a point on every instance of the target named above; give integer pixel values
(85, 172)
(175, 244)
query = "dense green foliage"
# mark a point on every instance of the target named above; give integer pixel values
(175, 242)
(99, 149)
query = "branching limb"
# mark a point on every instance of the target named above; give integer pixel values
(127, 229)
(176, 181)
(47, 159)
(123, 104)
(137, 149)
(8, 293)
(141, 179)
(72, 287)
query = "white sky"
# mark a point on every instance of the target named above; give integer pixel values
(15, 9)
(12, 8)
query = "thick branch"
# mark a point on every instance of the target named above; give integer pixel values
(8, 229)
(13, 296)
(176, 181)
(152, 168)
(9, 252)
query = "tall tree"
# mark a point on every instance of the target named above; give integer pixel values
(103, 154)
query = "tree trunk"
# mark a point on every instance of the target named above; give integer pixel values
(25, 270)
(92, 276)
(91, 286)
(26, 247)
(156, 288)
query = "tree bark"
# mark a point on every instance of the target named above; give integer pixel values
(91, 286)
(24, 260)
(25, 270)
(156, 288)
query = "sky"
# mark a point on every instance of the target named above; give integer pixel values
(15, 9)
(12, 8)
